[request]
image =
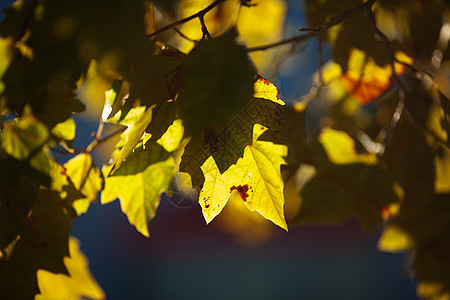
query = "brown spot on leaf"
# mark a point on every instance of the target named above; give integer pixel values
(242, 189)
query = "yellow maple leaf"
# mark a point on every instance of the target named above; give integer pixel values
(256, 177)
(86, 178)
(79, 285)
(138, 184)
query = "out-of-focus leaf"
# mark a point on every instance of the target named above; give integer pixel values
(394, 240)
(86, 178)
(6, 54)
(138, 183)
(43, 244)
(227, 146)
(24, 139)
(256, 177)
(445, 115)
(431, 242)
(340, 192)
(442, 167)
(270, 17)
(168, 6)
(137, 119)
(65, 133)
(340, 148)
(79, 284)
(350, 185)
(361, 78)
(210, 70)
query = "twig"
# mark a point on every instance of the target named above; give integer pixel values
(204, 28)
(29, 19)
(199, 14)
(92, 144)
(315, 31)
(184, 36)
(321, 62)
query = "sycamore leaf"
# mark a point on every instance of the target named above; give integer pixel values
(43, 243)
(210, 70)
(137, 120)
(79, 284)
(86, 178)
(256, 177)
(228, 145)
(138, 183)
(155, 79)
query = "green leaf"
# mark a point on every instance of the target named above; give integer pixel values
(43, 244)
(138, 183)
(137, 119)
(155, 79)
(218, 83)
(340, 192)
(86, 178)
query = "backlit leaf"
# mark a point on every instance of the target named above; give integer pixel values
(86, 178)
(79, 284)
(228, 145)
(138, 183)
(137, 120)
(256, 177)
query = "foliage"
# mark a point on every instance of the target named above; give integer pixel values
(188, 99)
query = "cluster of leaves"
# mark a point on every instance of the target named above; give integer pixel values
(381, 158)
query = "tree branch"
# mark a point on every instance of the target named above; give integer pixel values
(199, 14)
(317, 31)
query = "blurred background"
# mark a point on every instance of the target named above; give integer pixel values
(186, 259)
